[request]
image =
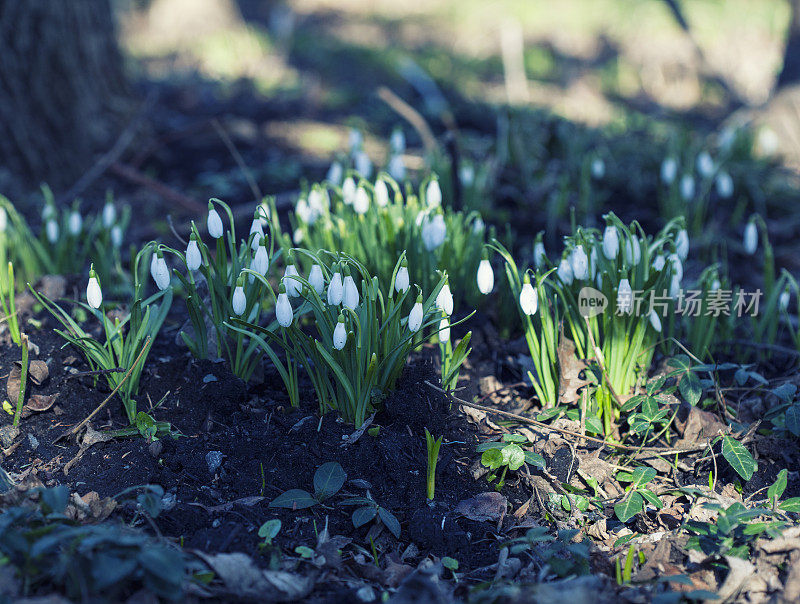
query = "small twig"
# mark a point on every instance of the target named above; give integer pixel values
(77, 428)
(174, 230)
(411, 115)
(248, 175)
(527, 420)
(97, 372)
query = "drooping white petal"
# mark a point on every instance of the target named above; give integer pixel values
(624, 296)
(528, 299)
(415, 317)
(724, 185)
(783, 301)
(401, 280)
(363, 164)
(109, 214)
(239, 301)
(750, 238)
(75, 222)
(214, 223)
(565, 271)
(116, 235)
(444, 330)
(260, 263)
(669, 170)
(316, 279)
(598, 168)
(580, 263)
(433, 194)
(350, 296)
(283, 310)
(52, 231)
(445, 299)
(655, 321)
(257, 230)
(682, 244)
(335, 173)
(160, 272)
(193, 256)
(381, 194)
(539, 254)
(687, 187)
(485, 277)
(348, 190)
(94, 295)
(335, 289)
(339, 336)
(397, 168)
(361, 201)
(293, 286)
(610, 242)
(705, 165)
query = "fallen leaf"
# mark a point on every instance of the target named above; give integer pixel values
(483, 507)
(38, 372)
(37, 403)
(13, 384)
(700, 426)
(570, 367)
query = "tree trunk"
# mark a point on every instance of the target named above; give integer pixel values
(790, 74)
(62, 88)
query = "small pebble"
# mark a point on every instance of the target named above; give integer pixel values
(155, 448)
(214, 460)
(34, 443)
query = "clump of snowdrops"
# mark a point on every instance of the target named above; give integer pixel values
(338, 323)
(376, 221)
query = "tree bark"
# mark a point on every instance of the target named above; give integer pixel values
(63, 92)
(790, 73)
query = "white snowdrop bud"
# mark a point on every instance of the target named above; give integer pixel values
(303, 211)
(478, 225)
(214, 222)
(283, 308)
(257, 230)
(445, 299)
(444, 330)
(397, 142)
(580, 263)
(335, 289)
(354, 139)
(317, 203)
(260, 262)
(109, 214)
(674, 287)
(264, 213)
(564, 271)
(401, 280)
(624, 296)
(297, 236)
(348, 191)
(316, 279)
(610, 242)
(48, 212)
(598, 168)
(350, 297)
(339, 334)
(724, 185)
(361, 201)
(193, 257)
(658, 263)
(397, 168)
(485, 277)
(633, 251)
(715, 285)
(677, 266)
(159, 270)
(466, 173)
(751, 238)
(335, 173)
(682, 244)
(593, 263)
(687, 187)
(363, 164)
(434, 232)
(3, 220)
(433, 194)
(293, 286)
(783, 301)
(52, 231)
(116, 236)
(539, 254)
(239, 302)
(75, 222)
(94, 295)
(381, 194)
(669, 170)
(705, 165)
(655, 321)
(528, 297)
(415, 316)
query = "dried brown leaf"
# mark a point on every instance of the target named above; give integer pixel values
(490, 506)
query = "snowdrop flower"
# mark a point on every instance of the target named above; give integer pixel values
(610, 242)
(283, 308)
(349, 191)
(715, 285)
(485, 276)
(783, 301)
(75, 222)
(363, 164)
(159, 270)
(214, 222)
(260, 262)
(593, 263)
(724, 185)
(396, 168)
(350, 297)
(317, 202)
(415, 316)
(354, 139)
(434, 232)
(257, 230)
(669, 170)
(335, 173)
(633, 251)
(564, 271)
(539, 254)
(116, 235)
(239, 302)
(94, 295)
(466, 174)
(293, 286)
(51, 229)
(677, 266)
(335, 289)
(316, 279)
(750, 238)
(48, 211)
(109, 214)
(580, 263)
(297, 236)
(478, 225)
(658, 263)
(674, 287)
(303, 211)
(3, 220)
(433, 193)
(624, 297)
(444, 330)
(687, 187)
(401, 280)
(655, 321)
(381, 194)
(193, 257)
(682, 244)
(264, 213)
(528, 297)
(705, 165)
(361, 201)
(397, 142)
(598, 168)
(339, 334)
(445, 299)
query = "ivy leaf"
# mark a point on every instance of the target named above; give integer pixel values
(593, 424)
(792, 419)
(790, 505)
(739, 457)
(691, 388)
(492, 458)
(270, 529)
(641, 476)
(390, 522)
(651, 498)
(363, 515)
(785, 392)
(328, 479)
(629, 507)
(775, 491)
(294, 499)
(513, 456)
(535, 460)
